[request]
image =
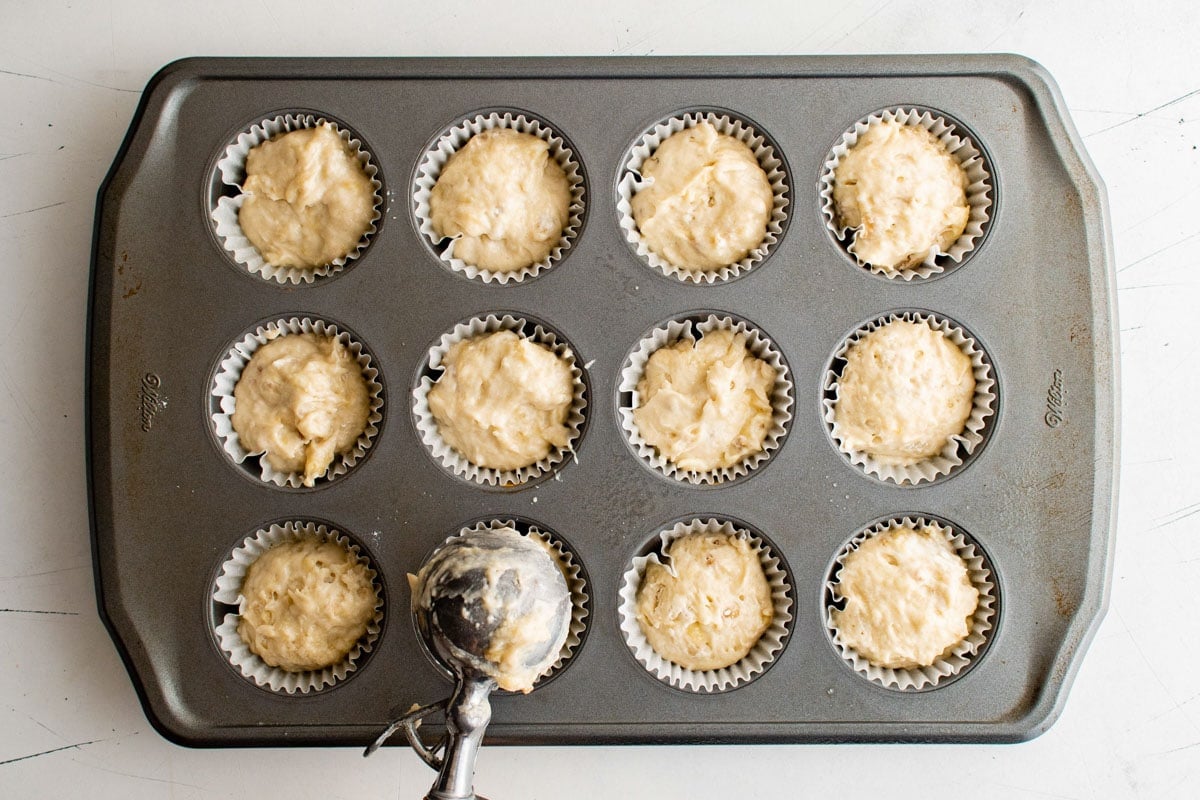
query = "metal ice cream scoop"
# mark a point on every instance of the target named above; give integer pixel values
(493, 606)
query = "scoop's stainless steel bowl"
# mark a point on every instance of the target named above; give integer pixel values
(494, 606)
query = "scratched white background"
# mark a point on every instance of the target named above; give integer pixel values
(70, 78)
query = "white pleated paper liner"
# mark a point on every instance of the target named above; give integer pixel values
(435, 159)
(713, 680)
(577, 585)
(692, 329)
(631, 182)
(450, 458)
(227, 592)
(980, 192)
(958, 448)
(231, 171)
(223, 402)
(956, 658)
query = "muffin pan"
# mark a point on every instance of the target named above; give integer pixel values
(168, 504)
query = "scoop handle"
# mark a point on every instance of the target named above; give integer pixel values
(468, 713)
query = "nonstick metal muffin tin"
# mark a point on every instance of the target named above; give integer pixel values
(1036, 497)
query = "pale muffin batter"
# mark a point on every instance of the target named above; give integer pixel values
(503, 400)
(302, 399)
(308, 201)
(903, 193)
(504, 198)
(708, 202)
(709, 605)
(909, 598)
(905, 391)
(304, 604)
(705, 405)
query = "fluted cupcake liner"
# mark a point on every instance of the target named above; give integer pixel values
(761, 654)
(631, 182)
(451, 141)
(980, 192)
(227, 592)
(956, 658)
(693, 328)
(958, 447)
(232, 170)
(229, 372)
(450, 458)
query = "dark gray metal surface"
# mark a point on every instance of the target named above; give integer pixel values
(167, 505)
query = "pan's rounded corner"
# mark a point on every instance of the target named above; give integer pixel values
(179, 730)
(1034, 78)
(1025, 67)
(175, 75)
(173, 727)
(1035, 722)
(1047, 708)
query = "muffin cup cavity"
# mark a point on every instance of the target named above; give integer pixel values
(222, 402)
(577, 585)
(980, 189)
(760, 657)
(435, 159)
(447, 456)
(630, 182)
(693, 328)
(227, 592)
(231, 172)
(955, 660)
(958, 448)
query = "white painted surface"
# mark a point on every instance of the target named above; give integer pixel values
(70, 78)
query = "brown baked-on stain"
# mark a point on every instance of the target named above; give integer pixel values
(1079, 333)
(1066, 656)
(132, 290)
(1055, 481)
(1064, 605)
(1072, 202)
